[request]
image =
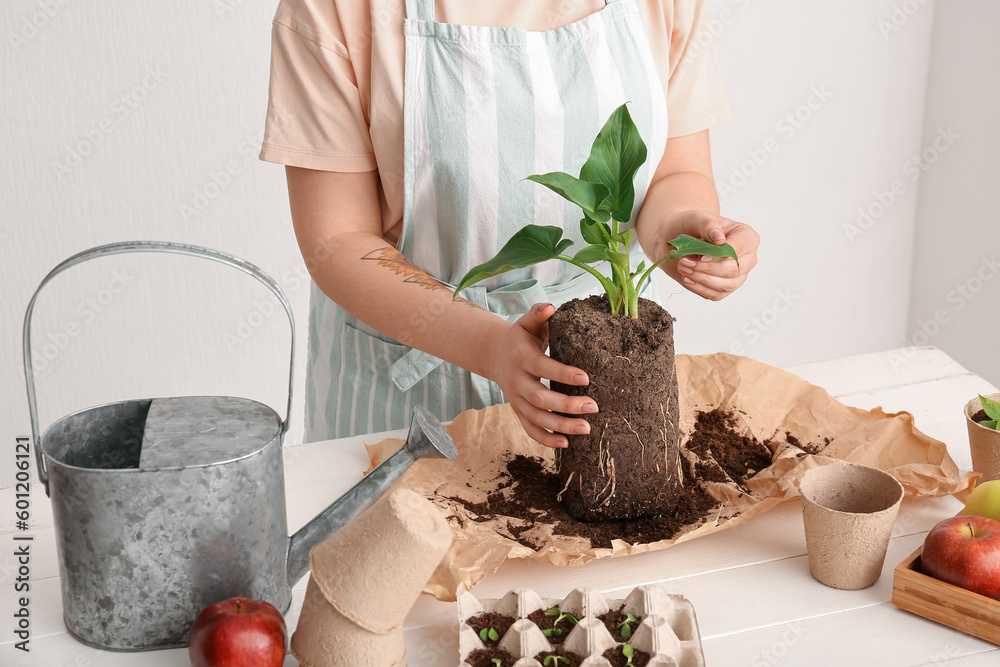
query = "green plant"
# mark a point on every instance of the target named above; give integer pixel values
(629, 653)
(489, 634)
(605, 192)
(554, 660)
(497, 661)
(626, 625)
(992, 409)
(560, 615)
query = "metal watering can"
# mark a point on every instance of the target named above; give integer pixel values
(163, 506)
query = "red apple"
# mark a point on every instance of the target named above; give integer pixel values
(238, 632)
(965, 551)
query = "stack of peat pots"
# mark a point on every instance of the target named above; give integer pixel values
(364, 580)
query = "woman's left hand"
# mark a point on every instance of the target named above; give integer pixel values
(712, 277)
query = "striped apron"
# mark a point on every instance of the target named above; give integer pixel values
(483, 108)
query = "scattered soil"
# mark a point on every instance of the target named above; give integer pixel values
(491, 619)
(483, 657)
(546, 623)
(809, 447)
(529, 489)
(715, 440)
(628, 465)
(613, 618)
(617, 659)
(574, 659)
(980, 416)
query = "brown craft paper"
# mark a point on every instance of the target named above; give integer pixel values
(848, 511)
(768, 402)
(984, 442)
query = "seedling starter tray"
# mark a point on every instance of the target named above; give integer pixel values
(668, 632)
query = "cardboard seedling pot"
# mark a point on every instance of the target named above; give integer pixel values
(373, 569)
(848, 511)
(984, 442)
(326, 638)
(364, 580)
(668, 632)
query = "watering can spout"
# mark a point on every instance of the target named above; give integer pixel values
(427, 438)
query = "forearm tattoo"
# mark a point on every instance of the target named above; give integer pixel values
(396, 261)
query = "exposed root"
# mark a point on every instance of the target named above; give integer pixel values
(568, 482)
(601, 452)
(611, 483)
(642, 450)
(667, 448)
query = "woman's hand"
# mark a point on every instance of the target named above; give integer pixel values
(518, 362)
(712, 277)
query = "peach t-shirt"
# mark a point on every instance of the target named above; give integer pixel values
(336, 91)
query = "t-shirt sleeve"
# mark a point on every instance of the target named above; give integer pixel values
(315, 115)
(696, 96)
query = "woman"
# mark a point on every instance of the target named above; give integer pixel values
(406, 145)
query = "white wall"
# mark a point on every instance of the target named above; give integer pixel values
(117, 118)
(955, 302)
(826, 108)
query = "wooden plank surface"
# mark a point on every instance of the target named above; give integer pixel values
(755, 600)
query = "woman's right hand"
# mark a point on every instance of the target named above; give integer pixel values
(518, 363)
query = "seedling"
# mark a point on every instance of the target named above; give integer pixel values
(489, 634)
(629, 653)
(605, 192)
(992, 409)
(497, 661)
(626, 626)
(554, 660)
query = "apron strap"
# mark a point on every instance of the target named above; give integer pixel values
(421, 10)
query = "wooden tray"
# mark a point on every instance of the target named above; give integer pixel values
(949, 605)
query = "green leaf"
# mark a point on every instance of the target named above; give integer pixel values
(531, 245)
(588, 195)
(572, 619)
(484, 634)
(629, 618)
(615, 157)
(991, 407)
(628, 651)
(989, 423)
(592, 253)
(641, 266)
(552, 612)
(590, 230)
(552, 632)
(688, 245)
(494, 635)
(626, 631)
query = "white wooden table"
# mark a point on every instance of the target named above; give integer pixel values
(756, 603)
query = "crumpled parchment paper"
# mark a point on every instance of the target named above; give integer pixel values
(769, 403)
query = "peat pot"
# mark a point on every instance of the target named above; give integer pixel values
(163, 506)
(984, 442)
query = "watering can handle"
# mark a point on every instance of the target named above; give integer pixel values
(143, 246)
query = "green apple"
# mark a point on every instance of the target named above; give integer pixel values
(984, 500)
